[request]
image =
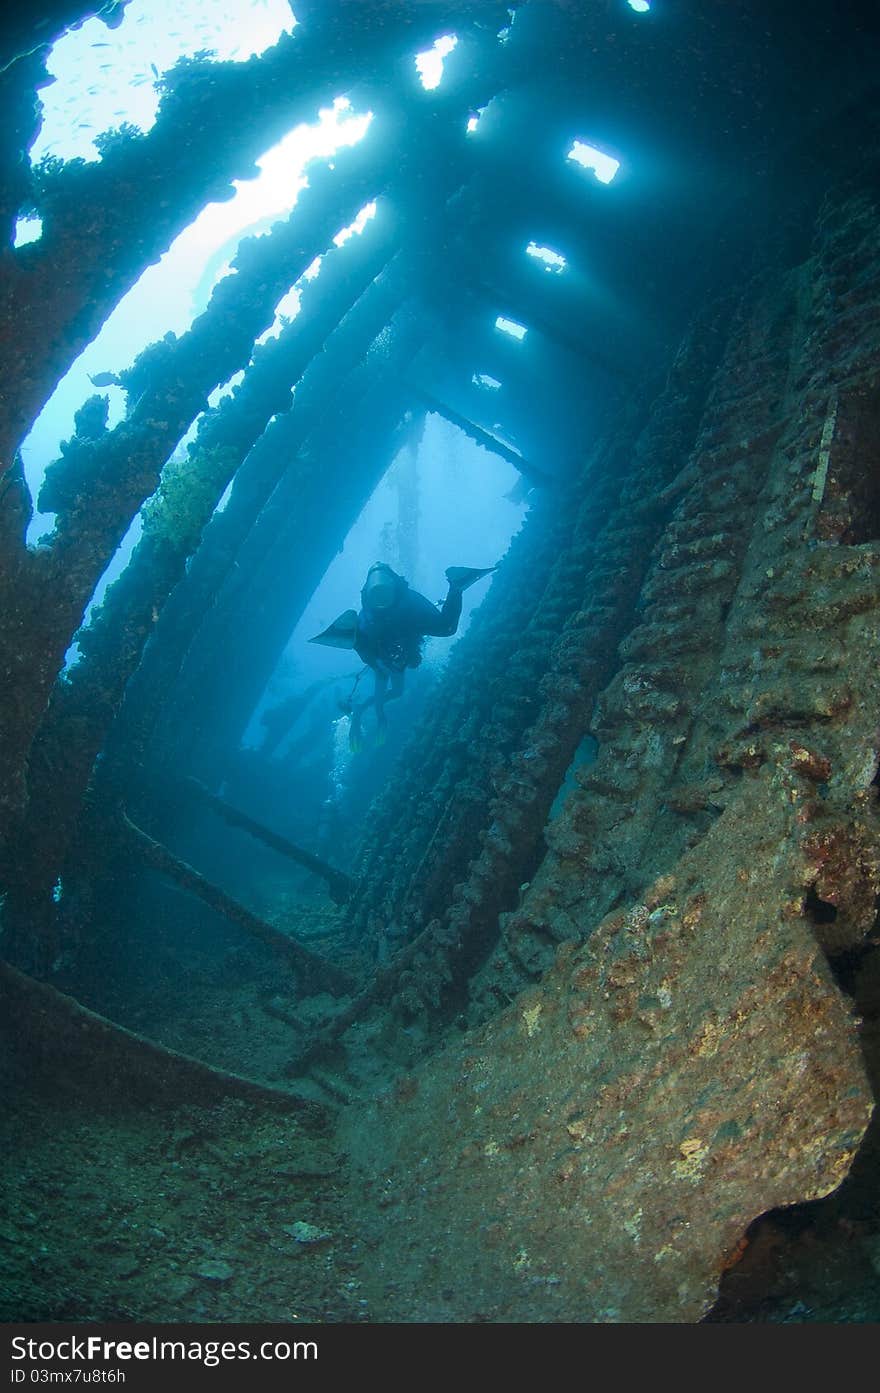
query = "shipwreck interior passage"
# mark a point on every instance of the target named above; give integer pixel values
(528, 971)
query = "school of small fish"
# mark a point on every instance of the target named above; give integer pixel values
(102, 77)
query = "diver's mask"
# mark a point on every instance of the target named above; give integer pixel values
(380, 587)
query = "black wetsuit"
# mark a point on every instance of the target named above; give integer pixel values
(390, 640)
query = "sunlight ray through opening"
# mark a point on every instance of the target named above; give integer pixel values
(510, 326)
(550, 260)
(164, 299)
(603, 166)
(28, 230)
(429, 64)
(114, 569)
(356, 228)
(107, 77)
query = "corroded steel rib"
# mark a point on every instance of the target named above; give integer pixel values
(340, 883)
(61, 1032)
(315, 971)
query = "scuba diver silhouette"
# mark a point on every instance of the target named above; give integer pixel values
(389, 631)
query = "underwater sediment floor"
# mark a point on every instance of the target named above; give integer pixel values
(192, 1214)
(382, 1202)
(187, 1214)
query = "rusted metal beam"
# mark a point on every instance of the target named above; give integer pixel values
(314, 970)
(485, 438)
(54, 1032)
(341, 885)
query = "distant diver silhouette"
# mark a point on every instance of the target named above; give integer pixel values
(389, 632)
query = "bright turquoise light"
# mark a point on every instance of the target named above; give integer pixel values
(105, 77)
(28, 230)
(641, 7)
(164, 298)
(368, 211)
(482, 379)
(602, 165)
(429, 64)
(510, 326)
(552, 261)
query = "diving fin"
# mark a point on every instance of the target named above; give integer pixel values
(342, 632)
(460, 577)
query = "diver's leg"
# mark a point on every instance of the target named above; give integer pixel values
(380, 696)
(465, 576)
(355, 734)
(460, 578)
(396, 691)
(397, 681)
(450, 612)
(380, 691)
